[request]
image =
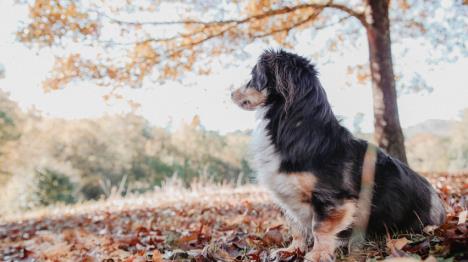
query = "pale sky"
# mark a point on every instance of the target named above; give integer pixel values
(208, 96)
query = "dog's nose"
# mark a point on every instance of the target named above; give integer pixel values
(232, 94)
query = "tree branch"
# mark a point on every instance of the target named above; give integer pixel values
(288, 28)
(344, 18)
(349, 11)
(272, 12)
(227, 25)
(178, 36)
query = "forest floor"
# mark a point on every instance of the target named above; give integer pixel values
(207, 223)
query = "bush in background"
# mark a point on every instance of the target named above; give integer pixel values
(48, 161)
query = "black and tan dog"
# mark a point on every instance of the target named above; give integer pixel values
(313, 166)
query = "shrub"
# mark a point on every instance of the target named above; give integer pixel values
(54, 187)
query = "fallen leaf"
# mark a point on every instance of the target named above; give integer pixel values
(397, 243)
(273, 237)
(157, 256)
(430, 259)
(395, 246)
(430, 229)
(462, 217)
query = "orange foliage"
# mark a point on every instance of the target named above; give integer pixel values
(168, 48)
(53, 19)
(150, 45)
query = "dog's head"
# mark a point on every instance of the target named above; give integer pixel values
(278, 77)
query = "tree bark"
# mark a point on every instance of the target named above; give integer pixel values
(388, 133)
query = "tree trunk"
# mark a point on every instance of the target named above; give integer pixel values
(388, 133)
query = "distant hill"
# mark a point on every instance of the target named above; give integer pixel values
(433, 126)
(437, 127)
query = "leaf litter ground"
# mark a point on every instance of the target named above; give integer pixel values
(207, 223)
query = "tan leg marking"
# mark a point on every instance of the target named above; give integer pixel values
(325, 232)
(305, 184)
(293, 192)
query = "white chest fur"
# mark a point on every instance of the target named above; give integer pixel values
(286, 189)
(266, 161)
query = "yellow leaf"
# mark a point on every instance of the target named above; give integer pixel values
(397, 243)
(157, 257)
(462, 217)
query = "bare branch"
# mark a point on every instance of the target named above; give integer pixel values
(349, 11)
(288, 28)
(275, 31)
(344, 18)
(138, 23)
(272, 12)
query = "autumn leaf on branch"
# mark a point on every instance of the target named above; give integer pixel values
(137, 40)
(172, 47)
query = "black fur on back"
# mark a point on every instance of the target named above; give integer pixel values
(309, 138)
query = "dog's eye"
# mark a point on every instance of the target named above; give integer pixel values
(246, 103)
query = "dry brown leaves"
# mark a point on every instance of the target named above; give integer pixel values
(233, 230)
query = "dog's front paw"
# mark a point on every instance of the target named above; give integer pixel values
(286, 254)
(319, 256)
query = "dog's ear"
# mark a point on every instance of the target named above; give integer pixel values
(292, 76)
(261, 77)
(284, 75)
(273, 63)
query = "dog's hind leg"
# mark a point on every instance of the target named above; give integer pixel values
(325, 232)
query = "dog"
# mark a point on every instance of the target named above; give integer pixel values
(313, 166)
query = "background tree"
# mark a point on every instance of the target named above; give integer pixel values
(2, 71)
(459, 146)
(11, 119)
(126, 40)
(53, 160)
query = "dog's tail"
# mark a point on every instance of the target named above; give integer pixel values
(438, 213)
(365, 198)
